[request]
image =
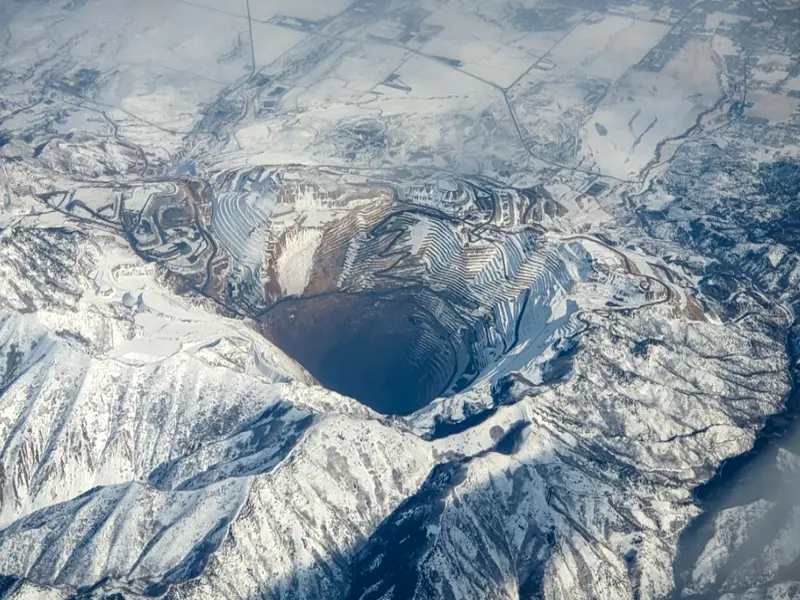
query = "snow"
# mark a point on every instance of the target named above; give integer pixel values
(270, 41)
(295, 262)
(418, 233)
(138, 426)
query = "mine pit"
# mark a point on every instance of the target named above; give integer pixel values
(393, 296)
(385, 350)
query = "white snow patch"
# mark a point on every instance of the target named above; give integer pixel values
(294, 264)
(418, 234)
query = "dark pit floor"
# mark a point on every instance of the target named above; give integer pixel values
(384, 351)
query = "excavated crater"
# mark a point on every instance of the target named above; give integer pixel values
(396, 322)
(375, 321)
(394, 296)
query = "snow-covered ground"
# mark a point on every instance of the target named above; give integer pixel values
(599, 201)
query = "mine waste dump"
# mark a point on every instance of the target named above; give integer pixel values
(391, 294)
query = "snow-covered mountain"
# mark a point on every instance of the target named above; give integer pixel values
(155, 447)
(386, 300)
